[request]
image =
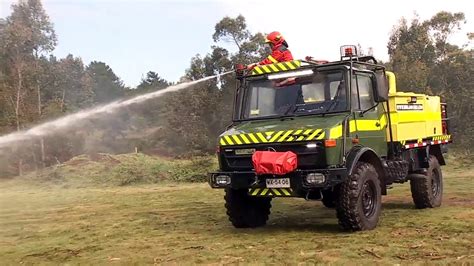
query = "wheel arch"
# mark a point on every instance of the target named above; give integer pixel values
(366, 154)
(436, 151)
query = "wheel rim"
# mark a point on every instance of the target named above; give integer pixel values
(435, 183)
(369, 198)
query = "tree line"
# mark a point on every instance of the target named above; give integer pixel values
(36, 86)
(425, 62)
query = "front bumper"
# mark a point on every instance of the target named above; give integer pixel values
(298, 183)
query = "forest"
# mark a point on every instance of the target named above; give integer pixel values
(36, 86)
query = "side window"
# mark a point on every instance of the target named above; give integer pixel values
(365, 99)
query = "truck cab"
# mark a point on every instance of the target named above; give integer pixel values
(334, 121)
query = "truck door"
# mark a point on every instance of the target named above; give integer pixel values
(367, 124)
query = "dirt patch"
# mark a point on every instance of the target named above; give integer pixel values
(403, 232)
(56, 253)
(458, 201)
(404, 201)
(466, 215)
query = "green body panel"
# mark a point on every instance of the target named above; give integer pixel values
(375, 138)
(334, 154)
(287, 123)
(369, 130)
(325, 123)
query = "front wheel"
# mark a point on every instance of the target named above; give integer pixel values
(360, 199)
(245, 211)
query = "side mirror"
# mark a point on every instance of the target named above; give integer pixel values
(380, 86)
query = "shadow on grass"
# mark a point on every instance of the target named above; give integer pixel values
(297, 219)
(398, 205)
(288, 225)
(284, 218)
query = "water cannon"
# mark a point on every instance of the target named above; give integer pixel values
(311, 59)
(240, 70)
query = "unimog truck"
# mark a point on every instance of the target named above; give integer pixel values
(338, 132)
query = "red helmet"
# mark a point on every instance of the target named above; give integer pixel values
(274, 38)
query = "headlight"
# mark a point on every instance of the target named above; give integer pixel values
(244, 151)
(315, 178)
(311, 145)
(222, 180)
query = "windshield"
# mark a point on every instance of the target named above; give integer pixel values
(321, 92)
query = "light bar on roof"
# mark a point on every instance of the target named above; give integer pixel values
(300, 73)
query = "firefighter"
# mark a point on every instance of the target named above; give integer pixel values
(280, 52)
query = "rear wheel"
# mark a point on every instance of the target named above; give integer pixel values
(245, 211)
(427, 190)
(360, 199)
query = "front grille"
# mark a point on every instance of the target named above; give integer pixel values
(308, 158)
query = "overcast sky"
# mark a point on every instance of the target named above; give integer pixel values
(136, 36)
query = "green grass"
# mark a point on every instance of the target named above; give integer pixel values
(186, 223)
(100, 170)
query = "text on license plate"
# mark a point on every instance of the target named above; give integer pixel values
(277, 182)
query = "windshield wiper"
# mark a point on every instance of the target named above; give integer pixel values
(314, 110)
(367, 110)
(335, 100)
(331, 105)
(295, 108)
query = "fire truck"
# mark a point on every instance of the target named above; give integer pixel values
(339, 132)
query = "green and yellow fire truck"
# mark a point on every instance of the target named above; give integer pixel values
(354, 135)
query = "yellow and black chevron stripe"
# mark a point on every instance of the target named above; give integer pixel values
(272, 137)
(440, 137)
(271, 192)
(443, 137)
(276, 67)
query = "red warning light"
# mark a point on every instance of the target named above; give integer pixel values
(348, 51)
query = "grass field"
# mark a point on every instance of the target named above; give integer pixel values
(173, 223)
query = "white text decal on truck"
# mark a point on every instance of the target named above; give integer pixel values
(409, 107)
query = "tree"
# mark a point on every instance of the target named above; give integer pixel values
(4, 103)
(26, 35)
(441, 26)
(199, 114)
(411, 54)
(250, 46)
(152, 82)
(106, 85)
(69, 87)
(426, 62)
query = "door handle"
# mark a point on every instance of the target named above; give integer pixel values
(377, 124)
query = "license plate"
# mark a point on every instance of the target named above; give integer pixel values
(244, 151)
(277, 182)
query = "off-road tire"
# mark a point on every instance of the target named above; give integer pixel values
(330, 198)
(245, 211)
(360, 199)
(427, 190)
